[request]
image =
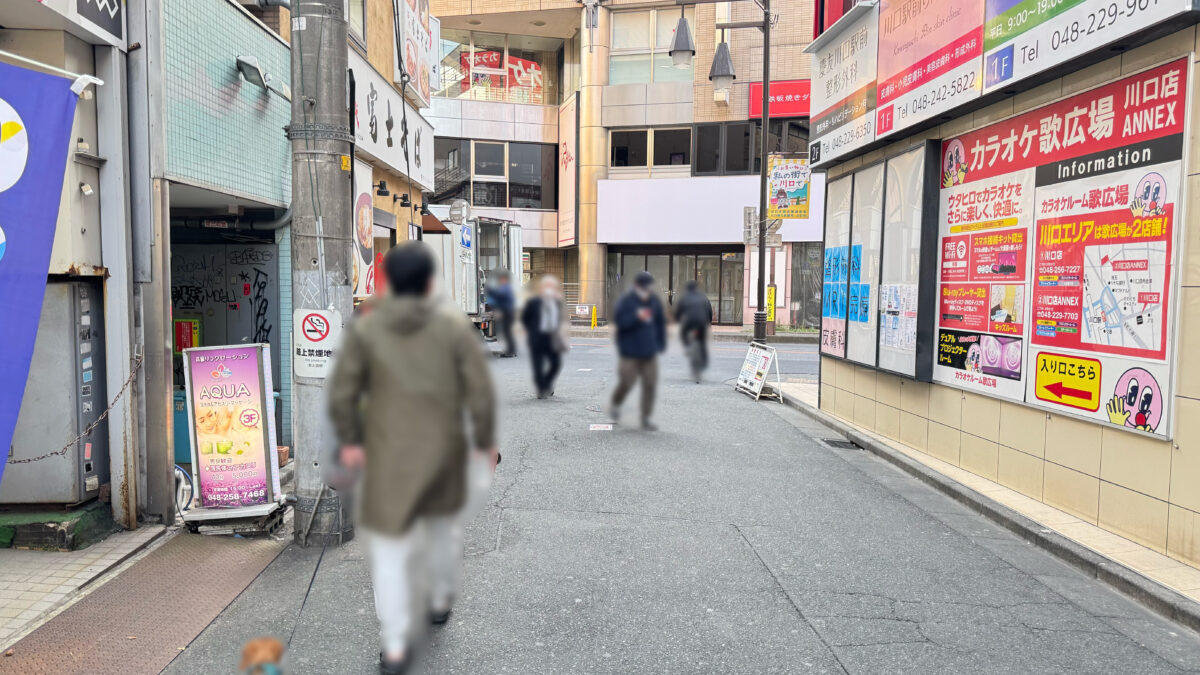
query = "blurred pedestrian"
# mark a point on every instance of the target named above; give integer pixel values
(641, 337)
(407, 375)
(544, 318)
(693, 312)
(501, 297)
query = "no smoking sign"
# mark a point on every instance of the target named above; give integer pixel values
(314, 341)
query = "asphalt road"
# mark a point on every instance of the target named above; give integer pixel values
(731, 541)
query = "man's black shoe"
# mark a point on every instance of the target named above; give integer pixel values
(439, 618)
(393, 667)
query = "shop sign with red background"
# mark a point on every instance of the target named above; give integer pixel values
(789, 98)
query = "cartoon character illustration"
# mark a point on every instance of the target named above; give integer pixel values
(1137, 401)
(955, 165)
(974, 359)
(1150, 197)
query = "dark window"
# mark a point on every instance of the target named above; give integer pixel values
(490, 194)
(672, 147)
(629, 148)
(708, 148)
(784, 136)
(737, 148)
(489, 159)
(451, 170)
(532, 175)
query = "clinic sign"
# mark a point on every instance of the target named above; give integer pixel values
(843, 91)
(231, 419)
(929, 59)
(1058, 241)
(1024, 37)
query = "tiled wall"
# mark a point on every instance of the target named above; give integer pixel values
(216, 121)
(1141, 488)
(494, 120)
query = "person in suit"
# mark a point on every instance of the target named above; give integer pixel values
(641, 337)
(544, 318)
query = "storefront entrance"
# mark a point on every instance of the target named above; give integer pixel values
(718, 269)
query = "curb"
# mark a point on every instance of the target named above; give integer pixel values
(740, 338)
(1150, 593)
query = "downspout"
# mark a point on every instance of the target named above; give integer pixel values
(282, 221)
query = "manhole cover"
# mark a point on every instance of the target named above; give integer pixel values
(839, 443)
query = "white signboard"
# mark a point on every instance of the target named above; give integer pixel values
(389, 130)
(1024, 37)
(759, 359)
(315, 335)
(417, 33)
(843, 91)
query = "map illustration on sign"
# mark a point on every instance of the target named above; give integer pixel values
(1122, 298)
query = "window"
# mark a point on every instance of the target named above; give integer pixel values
(499, 175)
(672, 147)
(629, 148)
(356, 18)
(532, 175)
(497, 67)
(734, 147)
(451, 170)
(640, 44)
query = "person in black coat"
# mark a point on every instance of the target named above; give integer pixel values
(501, 298)
(641, 336)
(694, 313)
(543, 317)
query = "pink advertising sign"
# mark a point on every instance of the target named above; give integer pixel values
(930, 60)
(233, 437)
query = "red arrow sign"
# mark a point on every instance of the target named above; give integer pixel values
(1060, 390)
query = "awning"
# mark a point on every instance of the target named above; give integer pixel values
(431, 224)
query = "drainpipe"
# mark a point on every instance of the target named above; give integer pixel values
(286, 4)
(282, 221)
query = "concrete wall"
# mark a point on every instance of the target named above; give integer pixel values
(215, 120)
(1141, 488)
(495, 121)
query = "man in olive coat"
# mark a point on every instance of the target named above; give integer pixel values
(407, 375)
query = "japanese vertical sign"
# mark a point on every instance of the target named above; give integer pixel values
(419, 50)
(843, 96)
(1058, 233)
(836, 270)
(364, 231)
(787, 187)
(929, 59)
(568, 152)
(1024, 37)
(233, 438)
(36, 113)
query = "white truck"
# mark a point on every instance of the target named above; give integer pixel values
(474, 249)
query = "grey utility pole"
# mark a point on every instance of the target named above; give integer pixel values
(321, 239)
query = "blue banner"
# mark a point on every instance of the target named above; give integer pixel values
(36, 113)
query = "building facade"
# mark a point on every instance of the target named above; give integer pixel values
(654, 167)
(1009, 269)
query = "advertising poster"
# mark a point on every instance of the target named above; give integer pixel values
(900, 270)
(1024, 37)
(1074, 206)
(568, 150)
(363, 255)
(419, 54)
(835, 292)
(929, 59)
(843, 96)
(787, 187)
(233, 439)
(862, 308)
(36, 113)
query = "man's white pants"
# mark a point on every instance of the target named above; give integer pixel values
(414, 574)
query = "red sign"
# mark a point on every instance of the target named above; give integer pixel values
(1129, 111)
(315, 327)
(789, 98)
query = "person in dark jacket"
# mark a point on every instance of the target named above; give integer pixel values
(694, 313)
(544, 317)
(500, 297)
(641, 337)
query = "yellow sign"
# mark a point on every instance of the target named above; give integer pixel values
(593, 317)
(787, 187)
(345, 162)
(770, 304)
(1072, 381)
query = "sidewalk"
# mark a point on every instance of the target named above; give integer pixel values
(1163, 584)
